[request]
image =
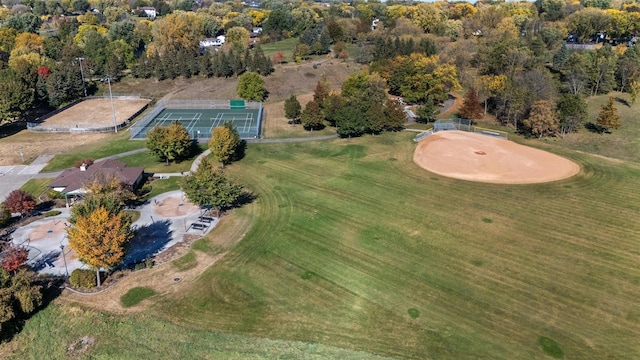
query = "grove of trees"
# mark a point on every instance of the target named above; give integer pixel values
(514, 54)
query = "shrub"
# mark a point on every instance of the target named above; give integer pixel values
(83, 278)
(5, 215)
(52, 194)
(52, 213)
(86, 162)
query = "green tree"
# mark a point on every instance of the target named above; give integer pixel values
(251, 86)
(63, 85)
(209, 187)
(15, 96)
(572, 111)
(5, 215)
(101, 238)
(19, 296)
(350, 122)
(332, 104)
(542, 120)
(238, 37)
(25, 22)
(634, 90)
(292, 108)
(169, 143)
(394, 115)
(428, 111)
(225, 142)
(608, 117)
(601, 70)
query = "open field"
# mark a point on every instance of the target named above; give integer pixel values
(348, 236)
(622, 143)
(352, 245)
(277, 125)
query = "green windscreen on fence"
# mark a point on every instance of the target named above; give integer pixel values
(236, 104)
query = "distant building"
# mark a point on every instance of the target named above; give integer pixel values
(209, 42)
(148, 11)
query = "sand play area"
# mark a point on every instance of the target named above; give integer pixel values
(477, 157)
(174, 206)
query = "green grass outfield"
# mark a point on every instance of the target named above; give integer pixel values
(350, 235)
(351, 241)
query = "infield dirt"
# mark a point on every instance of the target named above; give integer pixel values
(483, 158)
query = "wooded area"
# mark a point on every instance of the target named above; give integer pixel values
(513, 53)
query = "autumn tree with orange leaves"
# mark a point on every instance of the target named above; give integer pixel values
(100, 238)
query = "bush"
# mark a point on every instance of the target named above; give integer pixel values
(5, 215)
(52, 213)
(52, 194)
(83, 278)
(86, 162)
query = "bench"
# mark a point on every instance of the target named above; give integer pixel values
(199, 226)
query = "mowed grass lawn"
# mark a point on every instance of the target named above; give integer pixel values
(350, 235)
(352, 245)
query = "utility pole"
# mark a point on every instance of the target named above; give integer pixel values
(113, 109)
(82, 75)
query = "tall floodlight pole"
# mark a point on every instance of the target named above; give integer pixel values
(113, 109)
(84, 87)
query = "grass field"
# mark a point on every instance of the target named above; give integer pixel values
(354, 246)
(622, 143)
(116, 144)
(348, 236)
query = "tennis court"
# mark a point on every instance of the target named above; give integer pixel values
(200, 122)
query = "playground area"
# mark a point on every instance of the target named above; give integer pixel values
(200, 117)
(164, 221)
(478, 157)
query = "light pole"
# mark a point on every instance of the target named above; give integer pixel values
(113, 109)
(82, 75)
(64, 257)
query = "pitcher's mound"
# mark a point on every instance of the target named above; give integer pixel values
(476, 157)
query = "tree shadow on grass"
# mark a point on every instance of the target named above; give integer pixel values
(148, 241)
(622, 101)
(595, 128)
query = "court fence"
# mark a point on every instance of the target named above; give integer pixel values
(138, 129)
(40, 126)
